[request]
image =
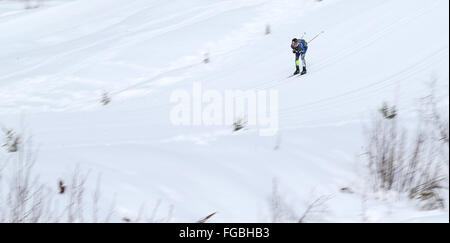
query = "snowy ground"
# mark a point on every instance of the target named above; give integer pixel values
(57, 60)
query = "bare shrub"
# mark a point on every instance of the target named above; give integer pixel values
(75, 197)
(388, 112)
(206, 58)
(239, 124)
(347, 190)
(408, 162)
(315, 207)
(61, 187)
(437, 121)
(268, 29)
(154, 218)
(165, 219)
(106, 99)
(12, 140)
(127, 220)
(25, 199)
(281, 211)
(141, 215)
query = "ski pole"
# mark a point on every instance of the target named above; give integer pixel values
(316, 36)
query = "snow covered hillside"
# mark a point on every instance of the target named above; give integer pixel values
(56, 62)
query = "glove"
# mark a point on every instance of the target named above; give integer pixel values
(294, 51)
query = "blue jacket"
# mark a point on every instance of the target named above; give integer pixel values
(301, 48)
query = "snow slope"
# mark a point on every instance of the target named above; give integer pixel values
(57, 61)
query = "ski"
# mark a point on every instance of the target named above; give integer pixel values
(296, 75)
(293, 75)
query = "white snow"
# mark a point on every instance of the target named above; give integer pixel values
(57, 60)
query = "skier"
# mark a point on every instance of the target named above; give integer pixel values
(299, 47)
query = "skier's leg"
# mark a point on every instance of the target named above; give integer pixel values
(297, 64)
(303, 60)
(303, 64)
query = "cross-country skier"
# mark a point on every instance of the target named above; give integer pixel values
(299, 47)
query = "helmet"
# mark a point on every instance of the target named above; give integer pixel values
(295, 40)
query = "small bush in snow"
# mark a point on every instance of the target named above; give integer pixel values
(268, 30)
(206, 59)
(105, 99)
(388, 112)
(12, 141)
(61, 187)
(347, 190)
(239, 124)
